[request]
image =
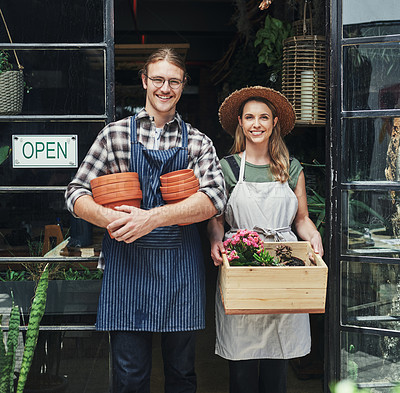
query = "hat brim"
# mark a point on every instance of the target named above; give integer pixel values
(229, 109)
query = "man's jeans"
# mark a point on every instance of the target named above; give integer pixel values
(259, 375)
(131, 361)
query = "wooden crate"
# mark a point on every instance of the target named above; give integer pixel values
(275, 289)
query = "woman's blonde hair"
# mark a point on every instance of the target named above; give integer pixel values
(277, 149)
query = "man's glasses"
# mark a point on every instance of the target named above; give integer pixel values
(158, 81)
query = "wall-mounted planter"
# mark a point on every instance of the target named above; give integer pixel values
(65, 297)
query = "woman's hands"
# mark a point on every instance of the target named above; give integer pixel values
(316, 243)
(217, 249)
(215, 230)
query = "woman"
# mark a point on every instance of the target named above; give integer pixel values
(266, 194)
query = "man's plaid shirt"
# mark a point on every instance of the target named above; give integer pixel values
(110, 153)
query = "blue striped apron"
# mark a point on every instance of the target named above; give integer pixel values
(156, 283)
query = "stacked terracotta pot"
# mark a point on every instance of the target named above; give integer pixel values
(179, 185)
(117, 189)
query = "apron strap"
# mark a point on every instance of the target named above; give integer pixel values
(233, 165)
(276, 233)
(267, 232)
(242, 166)
(133, 129)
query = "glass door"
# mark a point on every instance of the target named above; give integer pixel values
(365, 195)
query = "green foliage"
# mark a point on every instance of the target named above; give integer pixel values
(32, 333)
(84, 274)
(56, 273)
(270, 38)
(5, 64)
(11, 275)
(316, 207)
(4, 153)
(264, 258)
(7, 353)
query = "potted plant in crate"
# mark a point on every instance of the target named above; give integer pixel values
(259, 277)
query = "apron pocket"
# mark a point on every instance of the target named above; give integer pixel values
(161, 238)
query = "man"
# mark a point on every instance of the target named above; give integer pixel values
(154, 275)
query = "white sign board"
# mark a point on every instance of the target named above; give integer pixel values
(45, 151)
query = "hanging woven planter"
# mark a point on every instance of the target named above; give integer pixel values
(304, 75)
(11, 85)
(11, 92)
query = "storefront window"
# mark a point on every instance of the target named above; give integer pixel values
(370, 149)
(371, 223)
(27, 221)
(371, 360)
(371, 295)
(365, 18)
(11, 175)
(63, 82)
(374, 82)
(48, 21)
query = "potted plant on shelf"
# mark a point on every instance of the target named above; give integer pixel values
(7, 355)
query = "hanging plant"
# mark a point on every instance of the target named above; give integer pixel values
(270, 39)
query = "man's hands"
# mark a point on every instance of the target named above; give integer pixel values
(133, 225)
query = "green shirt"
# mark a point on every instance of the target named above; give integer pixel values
(258, 173)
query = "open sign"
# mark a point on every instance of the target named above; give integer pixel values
(45, 151)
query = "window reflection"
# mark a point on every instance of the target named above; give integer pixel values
(371, 223)
(371, 149)
(370, 77)
(363, 18)
(371, 295)
(63, 82)
(53, 21)
(37, 222)
(370, 360)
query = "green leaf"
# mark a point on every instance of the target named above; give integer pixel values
(32, 333)
(4, 153)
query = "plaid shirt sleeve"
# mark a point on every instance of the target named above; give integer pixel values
(204, 161)
(108, 154)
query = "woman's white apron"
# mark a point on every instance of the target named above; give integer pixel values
(268, 208)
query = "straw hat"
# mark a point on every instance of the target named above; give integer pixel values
(229, 109)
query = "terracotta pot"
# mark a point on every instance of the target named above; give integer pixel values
(107, 188)
(115, 178)
(174, 197)
(171, 177)
(120, 198)
(180, 186)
